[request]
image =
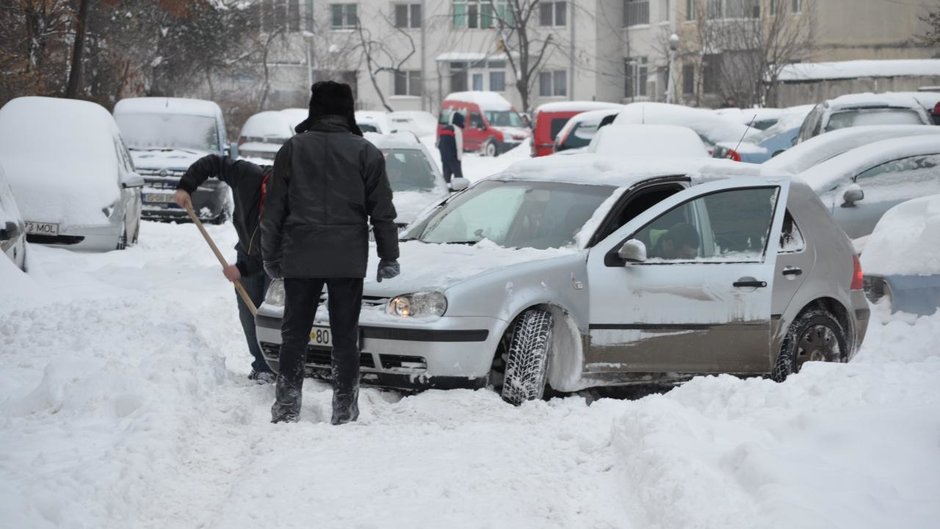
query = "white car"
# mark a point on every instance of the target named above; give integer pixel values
(580, 129)
(374, 121)
(902, 257)
(416, 180)
(12, 227)
(710, 127)
(71, 174)
(860, 185)
(648, 141)
(855, 110)
(263, 134)
(418, 122)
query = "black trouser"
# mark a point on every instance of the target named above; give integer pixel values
(256, 285)
(451, 167)
(300, 307)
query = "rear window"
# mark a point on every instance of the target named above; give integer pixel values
(408, 170)
(556, 125)
(873, 116)
(580, 136)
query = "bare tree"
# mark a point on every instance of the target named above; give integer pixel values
(78, 50)
(932, 37)
(524, 47)
(379, 57)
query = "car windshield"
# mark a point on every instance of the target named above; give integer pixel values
(580, 135)
(503, 118)
(872, 116)
(408, 170)
(169, 131)
(517, 214)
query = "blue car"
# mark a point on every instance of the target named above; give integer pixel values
(760, 147)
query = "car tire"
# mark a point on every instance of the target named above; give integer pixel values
(122, 240)
(527, 357)
(815, 335)
(490, 148)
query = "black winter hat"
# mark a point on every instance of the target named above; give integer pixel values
(330, 98)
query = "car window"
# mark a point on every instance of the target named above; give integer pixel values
(737, 220)
(791, 238)
(556, 125)
(872, 116)
(634, 203)
(902, 178)
(408, 170)
(476, 121)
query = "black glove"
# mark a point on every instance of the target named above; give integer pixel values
(387, 270)
(273, 269)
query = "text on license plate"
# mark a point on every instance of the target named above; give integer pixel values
(158, 198)
(321, 336)
(42, 228)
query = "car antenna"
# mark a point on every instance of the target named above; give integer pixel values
(749, 123)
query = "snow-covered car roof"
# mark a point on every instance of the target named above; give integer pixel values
(486, 100)
(417, 121)
(905, 240)
(825, 146)
(711, 127)
(788, 119)
(866, 100)
(746, 115)
(663, 141)
(395, 140)
(576, 106)
(175, 105)
(60, 157)
(268, 124)
(828, 174)
(376, 118)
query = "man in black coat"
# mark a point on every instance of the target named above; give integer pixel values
(328, 183)
(248, 182)
(450, 145)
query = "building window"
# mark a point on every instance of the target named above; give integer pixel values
(408, 83)
(293, 15)
(636, 12)
(283, 15)
(308, 15)
(478, 75)
(498, 81)
(344, 16)
(797, 6)
(718, 9)
(407, 15)
(553, 84)
(690, 9)
(688, 79)
(481, 14)
(711, 73)
(637, 74)
(553, 13)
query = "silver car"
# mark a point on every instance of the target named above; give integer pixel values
(582, 271)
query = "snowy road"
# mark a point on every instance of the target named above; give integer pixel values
(124, 404)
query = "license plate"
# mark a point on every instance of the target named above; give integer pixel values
(42, 228)
(158, 198)
(320, 336)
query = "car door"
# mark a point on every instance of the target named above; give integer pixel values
(474, 133)
(884, 186)
(705, 309)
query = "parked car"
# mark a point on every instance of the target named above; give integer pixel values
(550, 118)
(416, 180)
(860, 185)
(374, 121)
(710, 127)
(854, 110)
(165, 136)
(417, 122)
(263, 134)
(929, 100)
(902, 257)
(580, 129)
(492, 125)
(767, 143)
(664, 142)
(83, 193)
(758, 118)
(295, 116)
(581, 271)
(12, 227)
(817, 150)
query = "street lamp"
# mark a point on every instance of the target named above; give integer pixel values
(670, 78)
(307, 36)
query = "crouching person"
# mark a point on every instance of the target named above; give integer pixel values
(328, 182)
(248, 182)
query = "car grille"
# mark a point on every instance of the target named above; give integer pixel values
(367, 301)
(321, 359)
(161, 178)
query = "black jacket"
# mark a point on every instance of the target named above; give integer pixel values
(245, 179)
(327, 184)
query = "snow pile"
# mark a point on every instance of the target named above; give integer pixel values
(648, 141)
(906, 241)
(817, 71)
(60, 157)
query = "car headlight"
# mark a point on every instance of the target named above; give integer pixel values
(417, 305)
(275, 295)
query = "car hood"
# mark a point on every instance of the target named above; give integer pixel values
(744, 147)
(47, 190)
(426, 267)
(166, 159)
(409, 204)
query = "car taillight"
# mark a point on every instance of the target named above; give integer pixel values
(936, 109)
(733, 155)
(858, 278)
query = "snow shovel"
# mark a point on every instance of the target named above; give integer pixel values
(215, 249)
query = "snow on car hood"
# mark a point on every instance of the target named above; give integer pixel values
(905, 242)
(510, 133)
(48, 190)
(408, 204)
(427, 267)
(165, 159)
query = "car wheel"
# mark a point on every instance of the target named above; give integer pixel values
(814, 336)
(527, 357)
(122, 240)
(489, 148)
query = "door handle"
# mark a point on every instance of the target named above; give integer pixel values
(749, 282)
(792, 271)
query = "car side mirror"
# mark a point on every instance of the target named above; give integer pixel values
(133, 180)
(11, 230)
(459, 184)
(632, 251)
(852, 195)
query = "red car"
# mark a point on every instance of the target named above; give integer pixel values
(551, 117)
(492, 125)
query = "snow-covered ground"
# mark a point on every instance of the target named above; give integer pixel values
(124, 403)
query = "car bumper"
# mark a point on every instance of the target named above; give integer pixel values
(445, 353)
(95, 238)
(916, 294)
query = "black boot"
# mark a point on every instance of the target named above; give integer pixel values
(287, 399)
(345, 404)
